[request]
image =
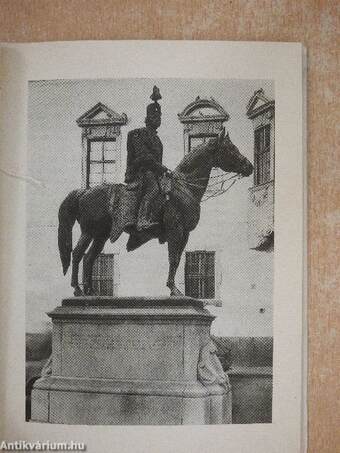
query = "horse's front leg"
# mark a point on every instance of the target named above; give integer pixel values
(77, 255)
(95, 249)
(177, 240)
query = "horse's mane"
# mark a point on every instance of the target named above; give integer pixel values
(190, 159)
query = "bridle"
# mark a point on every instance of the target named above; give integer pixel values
(215, 188)
(212, 190)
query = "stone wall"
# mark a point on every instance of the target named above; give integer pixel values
(252, 390)
(249, 364)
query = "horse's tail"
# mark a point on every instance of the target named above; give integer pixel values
(67, 216)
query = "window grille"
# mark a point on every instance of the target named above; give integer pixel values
(200, 274)
(103, 275)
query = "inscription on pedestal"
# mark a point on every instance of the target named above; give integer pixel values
(99, 341)
(122, 351)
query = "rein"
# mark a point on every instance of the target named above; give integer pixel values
(211, 189)
(222, 190)
(215, 192)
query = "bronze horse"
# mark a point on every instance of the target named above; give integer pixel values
(92, 208)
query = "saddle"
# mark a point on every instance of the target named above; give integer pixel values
(124, 207)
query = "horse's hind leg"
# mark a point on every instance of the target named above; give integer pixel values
(96, 247)
(77, 254)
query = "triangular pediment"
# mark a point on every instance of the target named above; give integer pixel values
(101, 114)
(258, 102)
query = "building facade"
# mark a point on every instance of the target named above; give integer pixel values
(261, 111)
(222, 261)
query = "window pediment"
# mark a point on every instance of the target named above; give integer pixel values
(203, 110)
(99, 115)
(259, 103)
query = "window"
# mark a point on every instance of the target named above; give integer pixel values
(103, 275)
(102, 162)
(200, 139)
(200, 274)
(262, 155)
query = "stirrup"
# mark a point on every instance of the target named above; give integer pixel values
(145, 225)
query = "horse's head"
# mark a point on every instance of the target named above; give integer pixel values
(228, 158)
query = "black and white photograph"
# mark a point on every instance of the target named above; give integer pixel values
(150, 251)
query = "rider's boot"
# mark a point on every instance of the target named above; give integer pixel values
(144, 217)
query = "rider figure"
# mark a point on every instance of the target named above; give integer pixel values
(144, 162)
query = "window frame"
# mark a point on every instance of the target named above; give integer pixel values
(262, 155)
(98, 279)
(204, 286)
(201, 135)
(103, 161)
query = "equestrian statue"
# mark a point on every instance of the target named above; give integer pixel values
(154, 202)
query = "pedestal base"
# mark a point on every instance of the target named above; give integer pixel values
(129, 361)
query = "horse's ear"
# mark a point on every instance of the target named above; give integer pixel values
(221, 136)
(228, 135)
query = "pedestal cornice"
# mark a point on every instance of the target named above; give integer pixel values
(160, 309)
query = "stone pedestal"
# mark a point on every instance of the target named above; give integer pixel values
(132, 361)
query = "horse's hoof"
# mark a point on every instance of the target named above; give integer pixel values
(77, 292)
(89, 291)
(175, 292)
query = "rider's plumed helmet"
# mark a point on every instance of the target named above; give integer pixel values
(153, 110)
